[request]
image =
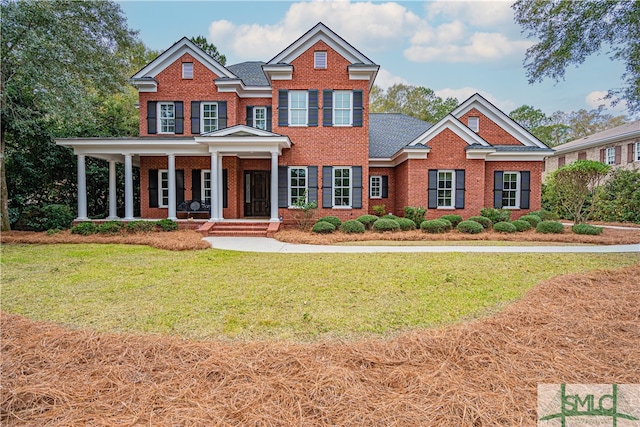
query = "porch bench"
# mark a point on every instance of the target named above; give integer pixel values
(193, 207)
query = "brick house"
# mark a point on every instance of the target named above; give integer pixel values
(247, 140)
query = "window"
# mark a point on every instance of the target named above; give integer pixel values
(511, 190)
(167, 117)
(582, 155)
(205, 191)
(342, 112)
(320, 59)
(187, 70)
(446, 189)
(637, 156)
(561, 161)
(342, 187)
(375, 187)
(474, 123)
(163, 188)
(297, 184)
(298, 101)
(260, 117)
(209, 116)
(610, 156)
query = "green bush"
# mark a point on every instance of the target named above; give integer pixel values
(415, 214)
(586, 229)
(333, 220)
(453, 219)
(141, 226)
(110, 227)
(323, 227)
(391, 216)
(434, 226)
(521, 225)
(496, 215)
(406, 224)
(367, 220)
(50, 217)
(386, 224)
(482, 220)
(504, 227)
(167, 225)
(545, 215)
(352, 226)
(619, 198)
(532, 219)
(379, 210)
(85, 229)
(447, 223)
(470, 227)
(550, 227)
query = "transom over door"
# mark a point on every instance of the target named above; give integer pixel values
(256, 193)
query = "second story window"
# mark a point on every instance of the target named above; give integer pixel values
(342, 112)
(320, 60)
(166, 117)
(187, 70)
(474, 123)
(260, 117)
(298, 102)
(209, 117)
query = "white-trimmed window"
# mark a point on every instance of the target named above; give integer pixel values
(187, 70)
(166, 117)
(446, 188)
(610, 156)
(474, 123)
(208, 117)
(163, 188)
(320, 59)
(297, 184)
(342, 108)
(511, 190)
(260, 117)
(342, 187)
(205, 190)
(637, 156)
(375, 187)
(298, 102)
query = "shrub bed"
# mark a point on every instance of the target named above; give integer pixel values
(550, 227)
(167, 225)
(504, 227)
(110, 227)
(434, 226)
(333, 220)
(453, 219)
(352, 226)
(386, 224)
(545, 215)
(532, 219)
(521, 225)
(367, 220)
(141, 226)
(415, 214)
(323, 227)
(586, 229)
(85, 229)
(496, 215)
(470, 227)
(482, 220)
(406, 224)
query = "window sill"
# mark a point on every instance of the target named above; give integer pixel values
(375, 197)
(446, 208)
(298, 126)
(342, 207)
(511, 208)
(342, 126)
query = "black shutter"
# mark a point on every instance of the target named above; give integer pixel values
(179, 186)
(283, 187)
(312, 184)
(356, 202)
(384, 191)
(249, 116)
(498, 186)
(195, 117)
(327, 107)
(460, 189)
(269, 120)
(357, 108)
(432, 203)
(313, 108)
(283, 107)
(178, 107)
(152, 122)
(153, 188)
(222, 114)
(327, 188)
(525, 189)
(196, 185)
(225, 190)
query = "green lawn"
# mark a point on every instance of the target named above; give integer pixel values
(223, 294)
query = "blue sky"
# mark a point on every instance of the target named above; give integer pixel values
(456, 48)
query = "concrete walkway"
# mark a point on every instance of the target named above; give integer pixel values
(263, 244)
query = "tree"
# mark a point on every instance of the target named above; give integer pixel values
(570, 31)
(415, 101)
(210, 49)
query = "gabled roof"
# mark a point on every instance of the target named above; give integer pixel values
(456, 126)
(250, 73)
(619, 133)
(390, 132)
(240, 130)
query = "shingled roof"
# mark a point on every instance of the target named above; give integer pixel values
(250, 73)
(390, 132)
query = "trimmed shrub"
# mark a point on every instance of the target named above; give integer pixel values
(504, 227)
(532, 219)
(367, 220)
(447, 223)
(496, 215)
(352, 226)
(482, 220)
(586, 229)
(386, 224)
(521, 225)
(167, 225)
(470, 227)
(379, 210)
(85, 229)
(434, 226)
(550, 227)
(415, 214)
(323, 227)
(545, 215)
(390, 216)
(141, 226)
(333, 220)
(406, 224)
(110, 227)
(453, 219)
(50, 217)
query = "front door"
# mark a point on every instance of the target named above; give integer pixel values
(256, 193)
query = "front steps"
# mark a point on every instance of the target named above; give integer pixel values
(230, 228)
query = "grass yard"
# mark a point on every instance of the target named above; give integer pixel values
(219, 294)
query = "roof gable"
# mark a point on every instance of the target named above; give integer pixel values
(453, 124)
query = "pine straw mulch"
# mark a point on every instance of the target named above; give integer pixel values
(581, 328)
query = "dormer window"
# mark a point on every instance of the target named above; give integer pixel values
(320, 60)
(474, 123)
(187, 70)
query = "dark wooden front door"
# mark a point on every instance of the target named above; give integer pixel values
(256, 193)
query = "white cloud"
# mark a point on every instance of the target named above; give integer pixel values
(463, 93)
(385, 79)
(597, 98)
(480, 13)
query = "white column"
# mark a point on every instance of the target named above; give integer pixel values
(128, 187)
(274, 187)
(113, 207)
(82, 189)
(172, 187)
(220, 190)
(214, 186)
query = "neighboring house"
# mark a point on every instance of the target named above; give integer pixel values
(618, 147)
(247, 140)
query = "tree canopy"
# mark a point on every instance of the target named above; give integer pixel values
(415, 101)
(210, 49)
(570, 31)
